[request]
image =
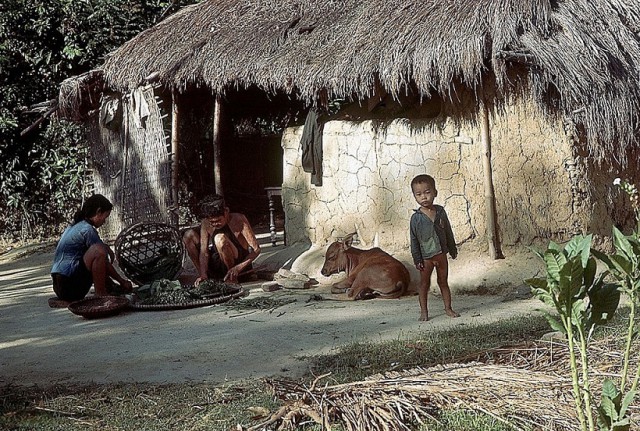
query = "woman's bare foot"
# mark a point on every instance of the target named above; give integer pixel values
(424, 317)
(451, 313)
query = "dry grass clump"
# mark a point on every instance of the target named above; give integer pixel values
(525, 386)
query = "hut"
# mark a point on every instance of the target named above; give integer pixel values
(524, 111)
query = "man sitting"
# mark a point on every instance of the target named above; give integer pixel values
(224, 245)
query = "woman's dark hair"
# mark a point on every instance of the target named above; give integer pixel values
(91, 207)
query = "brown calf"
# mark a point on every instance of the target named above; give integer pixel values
(370, 273)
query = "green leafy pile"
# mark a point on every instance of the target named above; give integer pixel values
(162, 292)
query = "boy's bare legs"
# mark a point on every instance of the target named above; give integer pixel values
(423, 290)
(442, 274)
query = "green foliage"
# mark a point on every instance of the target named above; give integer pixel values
(612, 412)
(572, 288)
(41, 44)
(583, 300)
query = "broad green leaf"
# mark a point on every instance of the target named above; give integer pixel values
(604, 258)
(626, 402)
(554, 261)
(578, 312)
(570, 286)
(544, 296)
(537, 283)
(609, 410)
(579, 246)
(622, 244)
(609, 390)
(555, 324)
(554, 246)
(603, 303)
(635, 245)
(589, 273)
(604, 422)
(621, 265)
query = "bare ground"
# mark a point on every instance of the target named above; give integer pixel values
(42, 345)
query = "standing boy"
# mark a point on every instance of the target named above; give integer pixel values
(431, 239)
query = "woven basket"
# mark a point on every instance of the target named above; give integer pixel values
(149, 251)
(99, 306)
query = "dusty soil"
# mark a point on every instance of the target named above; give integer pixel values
(43, 345)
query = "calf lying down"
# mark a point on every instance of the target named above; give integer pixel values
(370, 273)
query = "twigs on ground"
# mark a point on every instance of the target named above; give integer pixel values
(265, 303)
(515, 385)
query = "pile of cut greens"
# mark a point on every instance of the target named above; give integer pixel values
(165, 291)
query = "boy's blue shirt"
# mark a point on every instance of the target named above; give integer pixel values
(429, 238)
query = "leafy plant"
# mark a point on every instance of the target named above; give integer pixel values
(582, 300)
(624, 266)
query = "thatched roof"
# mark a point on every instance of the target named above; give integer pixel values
(579, 58)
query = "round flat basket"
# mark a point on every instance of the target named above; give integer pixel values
(99, 306)
(149, 251)
(235, 293)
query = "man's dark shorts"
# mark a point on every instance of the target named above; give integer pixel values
(217, 268)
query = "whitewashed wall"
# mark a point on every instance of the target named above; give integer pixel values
(540, 187)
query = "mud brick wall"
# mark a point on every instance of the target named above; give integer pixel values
(542, 189)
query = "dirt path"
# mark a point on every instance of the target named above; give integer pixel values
(41, 345)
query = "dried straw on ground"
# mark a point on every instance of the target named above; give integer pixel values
(523, 386)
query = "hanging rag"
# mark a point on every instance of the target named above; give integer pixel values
(140, 108)
(311, 146)
(110, 112)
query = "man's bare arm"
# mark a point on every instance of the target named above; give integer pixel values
(254, 249)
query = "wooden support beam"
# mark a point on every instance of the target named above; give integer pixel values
(495, 252)
(217, 145)
(126, 111)
(175, 140)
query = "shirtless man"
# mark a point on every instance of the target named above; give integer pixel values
(224, 245)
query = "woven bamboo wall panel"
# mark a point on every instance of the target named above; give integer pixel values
(132, 165)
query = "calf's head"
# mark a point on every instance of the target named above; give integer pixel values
(336, 259)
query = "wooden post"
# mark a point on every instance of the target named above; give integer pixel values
(490, 201)
(126, 110)
(175, 139)
(217, 145)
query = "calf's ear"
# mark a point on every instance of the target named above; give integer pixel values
(348, 240)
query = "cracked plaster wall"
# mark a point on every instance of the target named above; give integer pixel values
(541, 191)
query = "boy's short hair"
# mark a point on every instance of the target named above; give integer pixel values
(212, 206)
(423, 178)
